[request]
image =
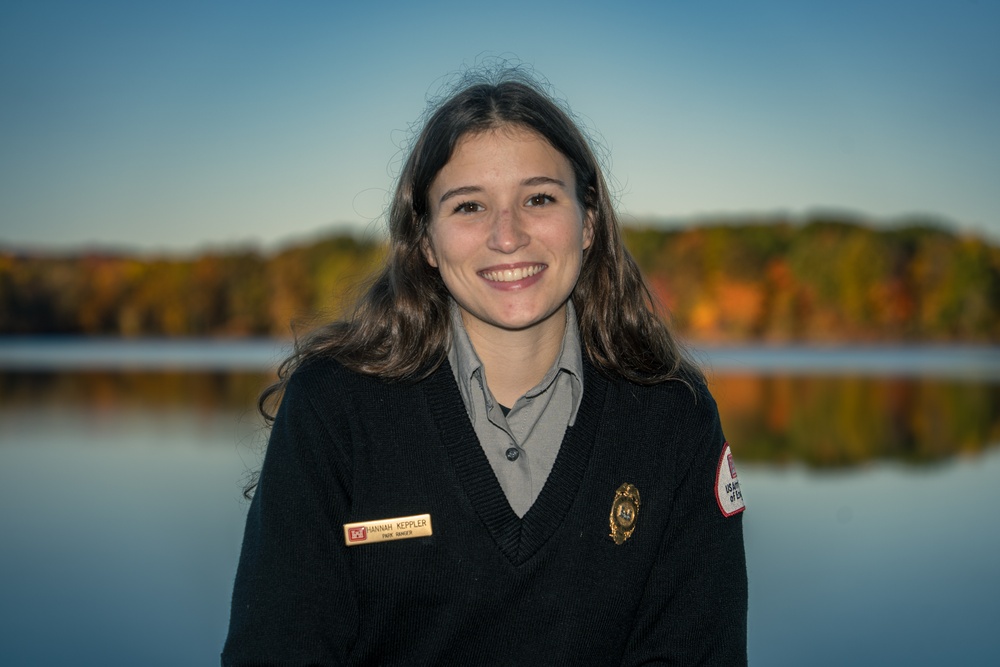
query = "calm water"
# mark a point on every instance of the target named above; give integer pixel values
(869, 543)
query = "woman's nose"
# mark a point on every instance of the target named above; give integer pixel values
(508, 234)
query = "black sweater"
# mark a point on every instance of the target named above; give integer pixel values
(487, 587)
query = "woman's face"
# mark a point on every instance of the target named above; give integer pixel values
(507, 232)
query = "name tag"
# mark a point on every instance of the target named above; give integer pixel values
(385, 530)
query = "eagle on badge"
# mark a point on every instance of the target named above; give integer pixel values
(624, 513)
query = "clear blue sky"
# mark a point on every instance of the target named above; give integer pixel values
(176, 125)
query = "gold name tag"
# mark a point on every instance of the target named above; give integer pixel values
(385, 530)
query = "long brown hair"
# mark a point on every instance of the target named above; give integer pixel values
(399, 329)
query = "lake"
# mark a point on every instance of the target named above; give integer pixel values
(870, 474)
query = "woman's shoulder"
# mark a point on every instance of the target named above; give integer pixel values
(678, 410)
(316, 369)
(324, 376)
(685, 393)
(319, 381)
(689, 404)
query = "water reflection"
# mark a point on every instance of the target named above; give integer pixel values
(819, 420)
(198, 393)
(120, 530)
(824, 420)
(121, 514)
(885, 565)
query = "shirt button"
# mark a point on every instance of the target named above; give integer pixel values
(512, 454)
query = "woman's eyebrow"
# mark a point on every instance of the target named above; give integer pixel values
(474, 189)
(457, 192)
(543, 180)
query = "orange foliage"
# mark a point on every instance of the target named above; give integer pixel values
(822, 280)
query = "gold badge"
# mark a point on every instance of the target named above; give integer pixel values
(624, 512)
(384, 530)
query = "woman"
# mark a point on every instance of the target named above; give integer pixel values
(503, 456)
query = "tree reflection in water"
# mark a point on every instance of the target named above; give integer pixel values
(819, 420)
(834, 420)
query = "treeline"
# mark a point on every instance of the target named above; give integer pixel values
(813, 280)
(824, 279)
(237, 293)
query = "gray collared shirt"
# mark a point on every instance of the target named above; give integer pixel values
(521, 446)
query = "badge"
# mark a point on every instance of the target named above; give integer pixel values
(624, 513)
(728, 494)
(386, 530)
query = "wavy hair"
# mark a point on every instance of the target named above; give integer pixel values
(400, 330)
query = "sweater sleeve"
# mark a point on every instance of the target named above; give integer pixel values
(293, 600)
(694, 610)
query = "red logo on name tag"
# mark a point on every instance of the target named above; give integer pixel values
(357, 534)
(732, 466)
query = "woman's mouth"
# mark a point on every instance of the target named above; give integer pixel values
(512, 274)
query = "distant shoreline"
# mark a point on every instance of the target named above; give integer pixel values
(77, 353)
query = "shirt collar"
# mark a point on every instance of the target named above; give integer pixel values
(468, 369)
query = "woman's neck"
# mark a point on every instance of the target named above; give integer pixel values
(516, 361)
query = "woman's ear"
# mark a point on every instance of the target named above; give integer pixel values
(428, 250)
(588, 228)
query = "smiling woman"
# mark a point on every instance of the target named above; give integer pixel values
(509, 253)
(506, 385)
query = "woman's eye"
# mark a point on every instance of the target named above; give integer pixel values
(540, 199)
(468, 207)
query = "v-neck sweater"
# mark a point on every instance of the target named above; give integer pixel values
(520, 441)
(487, 587)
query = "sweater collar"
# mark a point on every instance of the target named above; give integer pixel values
(517, 538)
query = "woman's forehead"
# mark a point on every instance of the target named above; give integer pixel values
(508, 154)
(501, 133)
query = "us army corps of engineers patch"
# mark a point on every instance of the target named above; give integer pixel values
(727, 485)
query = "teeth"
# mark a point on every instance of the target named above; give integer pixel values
(511, 275)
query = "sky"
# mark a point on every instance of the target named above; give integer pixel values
(185, 125)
